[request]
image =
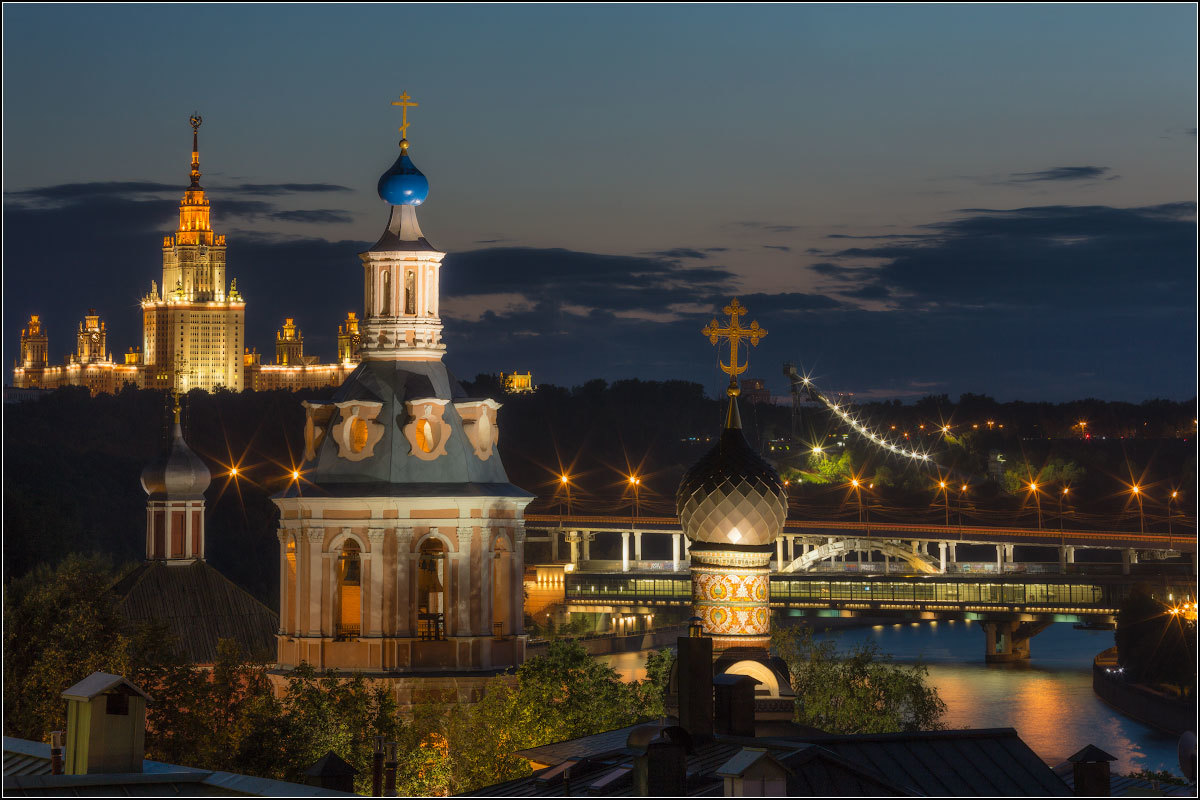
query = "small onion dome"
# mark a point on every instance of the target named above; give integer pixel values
(177, 473)
(732, 496)
(403, 184)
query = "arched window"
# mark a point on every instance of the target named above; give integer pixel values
(410, 292)
(386, 303)
(431, 591)
(501, 589)
(349, 592)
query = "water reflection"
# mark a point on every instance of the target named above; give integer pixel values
(1049, 701)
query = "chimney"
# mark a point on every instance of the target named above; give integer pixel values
(377, 769)
(1092, 772)
(106, 725)
(56, 752)
(331, 772)
(390, 763)
(694, 671)
(661, 771)
(734, 704)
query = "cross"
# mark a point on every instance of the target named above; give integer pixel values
(405, 103)
(734, 332)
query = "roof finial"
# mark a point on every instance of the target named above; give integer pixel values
(175, 404)
(405, 103)
(734, 332)
(195, 121)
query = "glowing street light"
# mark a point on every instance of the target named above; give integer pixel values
(1170, 502)
(946, 500)
(565, 481)
(636, 483)
(1037, 498)
(1137, 493)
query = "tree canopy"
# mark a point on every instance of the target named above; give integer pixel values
(858, 691)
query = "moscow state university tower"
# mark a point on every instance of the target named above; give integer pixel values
(193, 327)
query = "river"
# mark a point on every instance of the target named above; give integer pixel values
(1049, 701)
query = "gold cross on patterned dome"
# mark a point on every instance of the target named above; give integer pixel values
(405, 103)
(734, 333)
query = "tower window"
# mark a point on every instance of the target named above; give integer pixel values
(431, 591)
(349, 592)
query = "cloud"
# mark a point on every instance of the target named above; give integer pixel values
(277, 189)
(1062, 174)
(570, 278)
(782, 247)
(316, 215)
(679, 252)
(769, 227)
(1047, 257)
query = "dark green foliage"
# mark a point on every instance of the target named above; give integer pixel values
(859, 691)
(1153, 645)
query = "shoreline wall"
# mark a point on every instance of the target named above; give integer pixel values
(1139, 702)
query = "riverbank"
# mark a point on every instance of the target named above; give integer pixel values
(1146, 705)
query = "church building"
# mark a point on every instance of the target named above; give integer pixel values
(401, 538)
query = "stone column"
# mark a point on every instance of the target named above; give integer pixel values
(675, 551)
(1070, 554)
(406, 587)
(516, 582)
(953, 552)
(1062, 559)
(942, 556)
(462, 592)
(284, 622)
(573, 538)
(554, 545)
(791, 546)
(587, 544)
(1128, 559)
(779, 553)
(637, 546)
(487, 596)
(373, 608)
(625, 551)
(999, 558)
(314, 571)
(1008, 553)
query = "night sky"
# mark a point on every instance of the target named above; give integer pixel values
(911, 199)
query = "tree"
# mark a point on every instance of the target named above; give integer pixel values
(859, 691)
(1154, 645)
(62, 624)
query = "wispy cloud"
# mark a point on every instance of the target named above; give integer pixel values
(1063, 174)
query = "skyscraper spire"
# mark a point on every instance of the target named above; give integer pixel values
(195, 119)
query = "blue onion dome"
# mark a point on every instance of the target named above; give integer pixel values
(403, 184)
(732, 496)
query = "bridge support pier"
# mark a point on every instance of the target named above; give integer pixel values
(573, 537)
(999, 558)
(942, 557)
(554, 546)
(637, 546)
(1066, 555)
(587, 545)
(779, 554)
(675, 551)
(1008, 641)
(624, 551)
(791, 540)
(953, 552)
(1128, 559)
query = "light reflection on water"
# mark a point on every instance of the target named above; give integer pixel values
(1049, 701)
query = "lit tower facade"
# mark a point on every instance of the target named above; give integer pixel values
(175, 484)
(401, 538)
(289, 344)
(35, 346)
(732, 505)
(193, 328)
(92, 339)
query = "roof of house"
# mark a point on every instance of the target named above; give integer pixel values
(98, 683)
(985, 762)
(200, 606)
(27, 774)
(1124, 785)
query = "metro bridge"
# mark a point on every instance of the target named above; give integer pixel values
(1011, 608)
(809, 545)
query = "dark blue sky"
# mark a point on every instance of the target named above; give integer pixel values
(911, 199)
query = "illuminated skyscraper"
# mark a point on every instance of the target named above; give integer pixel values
(193, 329)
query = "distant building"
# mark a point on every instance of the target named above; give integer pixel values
(193, 327)
(755, 391)
(516, 383)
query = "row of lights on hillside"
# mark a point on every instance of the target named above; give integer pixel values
(864, 430)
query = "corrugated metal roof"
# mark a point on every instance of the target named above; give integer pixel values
(1123, 785)
(200, 606)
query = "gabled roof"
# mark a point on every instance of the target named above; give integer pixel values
(200, 606)
(1091, 754)
(744, 760)
(97, 684)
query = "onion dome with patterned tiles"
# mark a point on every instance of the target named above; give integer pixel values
(178, 473)
(732, 496)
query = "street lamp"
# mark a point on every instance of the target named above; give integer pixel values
(1137, 492)
(1037, 498)
(636, 483)
(961, 495)
(565, 481)
(1066, 490)
(1170, 501)
(946, 499)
